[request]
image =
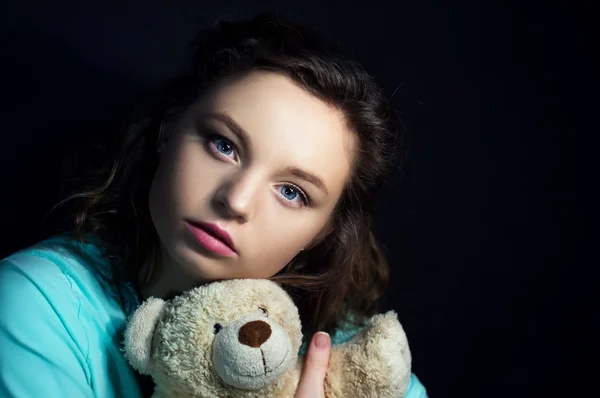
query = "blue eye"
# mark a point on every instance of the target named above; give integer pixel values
(288, 192)
(221, 146)
(291, 193)
(224, 146)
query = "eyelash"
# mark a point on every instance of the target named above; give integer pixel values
(213, 149)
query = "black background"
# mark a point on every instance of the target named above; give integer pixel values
(482, 234)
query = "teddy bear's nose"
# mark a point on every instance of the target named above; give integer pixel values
(254, 333)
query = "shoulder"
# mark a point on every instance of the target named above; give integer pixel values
(61, 276)
(60, 272)
(36, 268)
(50, 267)
(62, 264)
(41, 282)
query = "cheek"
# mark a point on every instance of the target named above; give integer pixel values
(279, 241)
(186, 179)
(158, 199)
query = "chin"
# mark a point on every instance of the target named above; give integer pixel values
(200, 267)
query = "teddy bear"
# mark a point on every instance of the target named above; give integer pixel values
(241, 338)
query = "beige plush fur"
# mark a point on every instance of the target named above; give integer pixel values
(253, 351)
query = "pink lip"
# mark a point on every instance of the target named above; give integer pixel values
(212, 238)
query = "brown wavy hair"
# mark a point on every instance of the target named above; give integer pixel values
(341, 277)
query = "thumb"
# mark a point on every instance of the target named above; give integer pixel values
(315, 367)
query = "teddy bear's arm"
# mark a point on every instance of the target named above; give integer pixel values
(375, 363)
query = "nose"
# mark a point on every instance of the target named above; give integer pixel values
(235, 197)
(254, 333)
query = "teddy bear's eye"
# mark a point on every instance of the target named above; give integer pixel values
(217, 328)
(264, 310)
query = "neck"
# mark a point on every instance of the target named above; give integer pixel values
(168, 280)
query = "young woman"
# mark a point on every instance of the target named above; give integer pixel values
(264, 161)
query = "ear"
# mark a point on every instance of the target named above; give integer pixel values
(139, 334)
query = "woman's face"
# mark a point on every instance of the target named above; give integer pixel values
(263, 160)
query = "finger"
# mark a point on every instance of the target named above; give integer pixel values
(315, 367)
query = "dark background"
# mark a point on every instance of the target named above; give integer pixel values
(482, 234)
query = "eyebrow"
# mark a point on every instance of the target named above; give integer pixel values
(231, 124)
(308, 177)
(244, 137)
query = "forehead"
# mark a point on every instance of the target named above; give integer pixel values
(287, 125)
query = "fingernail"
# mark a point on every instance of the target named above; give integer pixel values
(322, 340)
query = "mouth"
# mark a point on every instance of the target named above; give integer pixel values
(212, 238)
(279, 365)
(269, 371)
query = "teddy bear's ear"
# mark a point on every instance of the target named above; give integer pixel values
(139, 334)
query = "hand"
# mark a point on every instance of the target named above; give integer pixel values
(312, 380)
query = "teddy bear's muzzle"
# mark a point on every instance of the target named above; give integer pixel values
(251, 352)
